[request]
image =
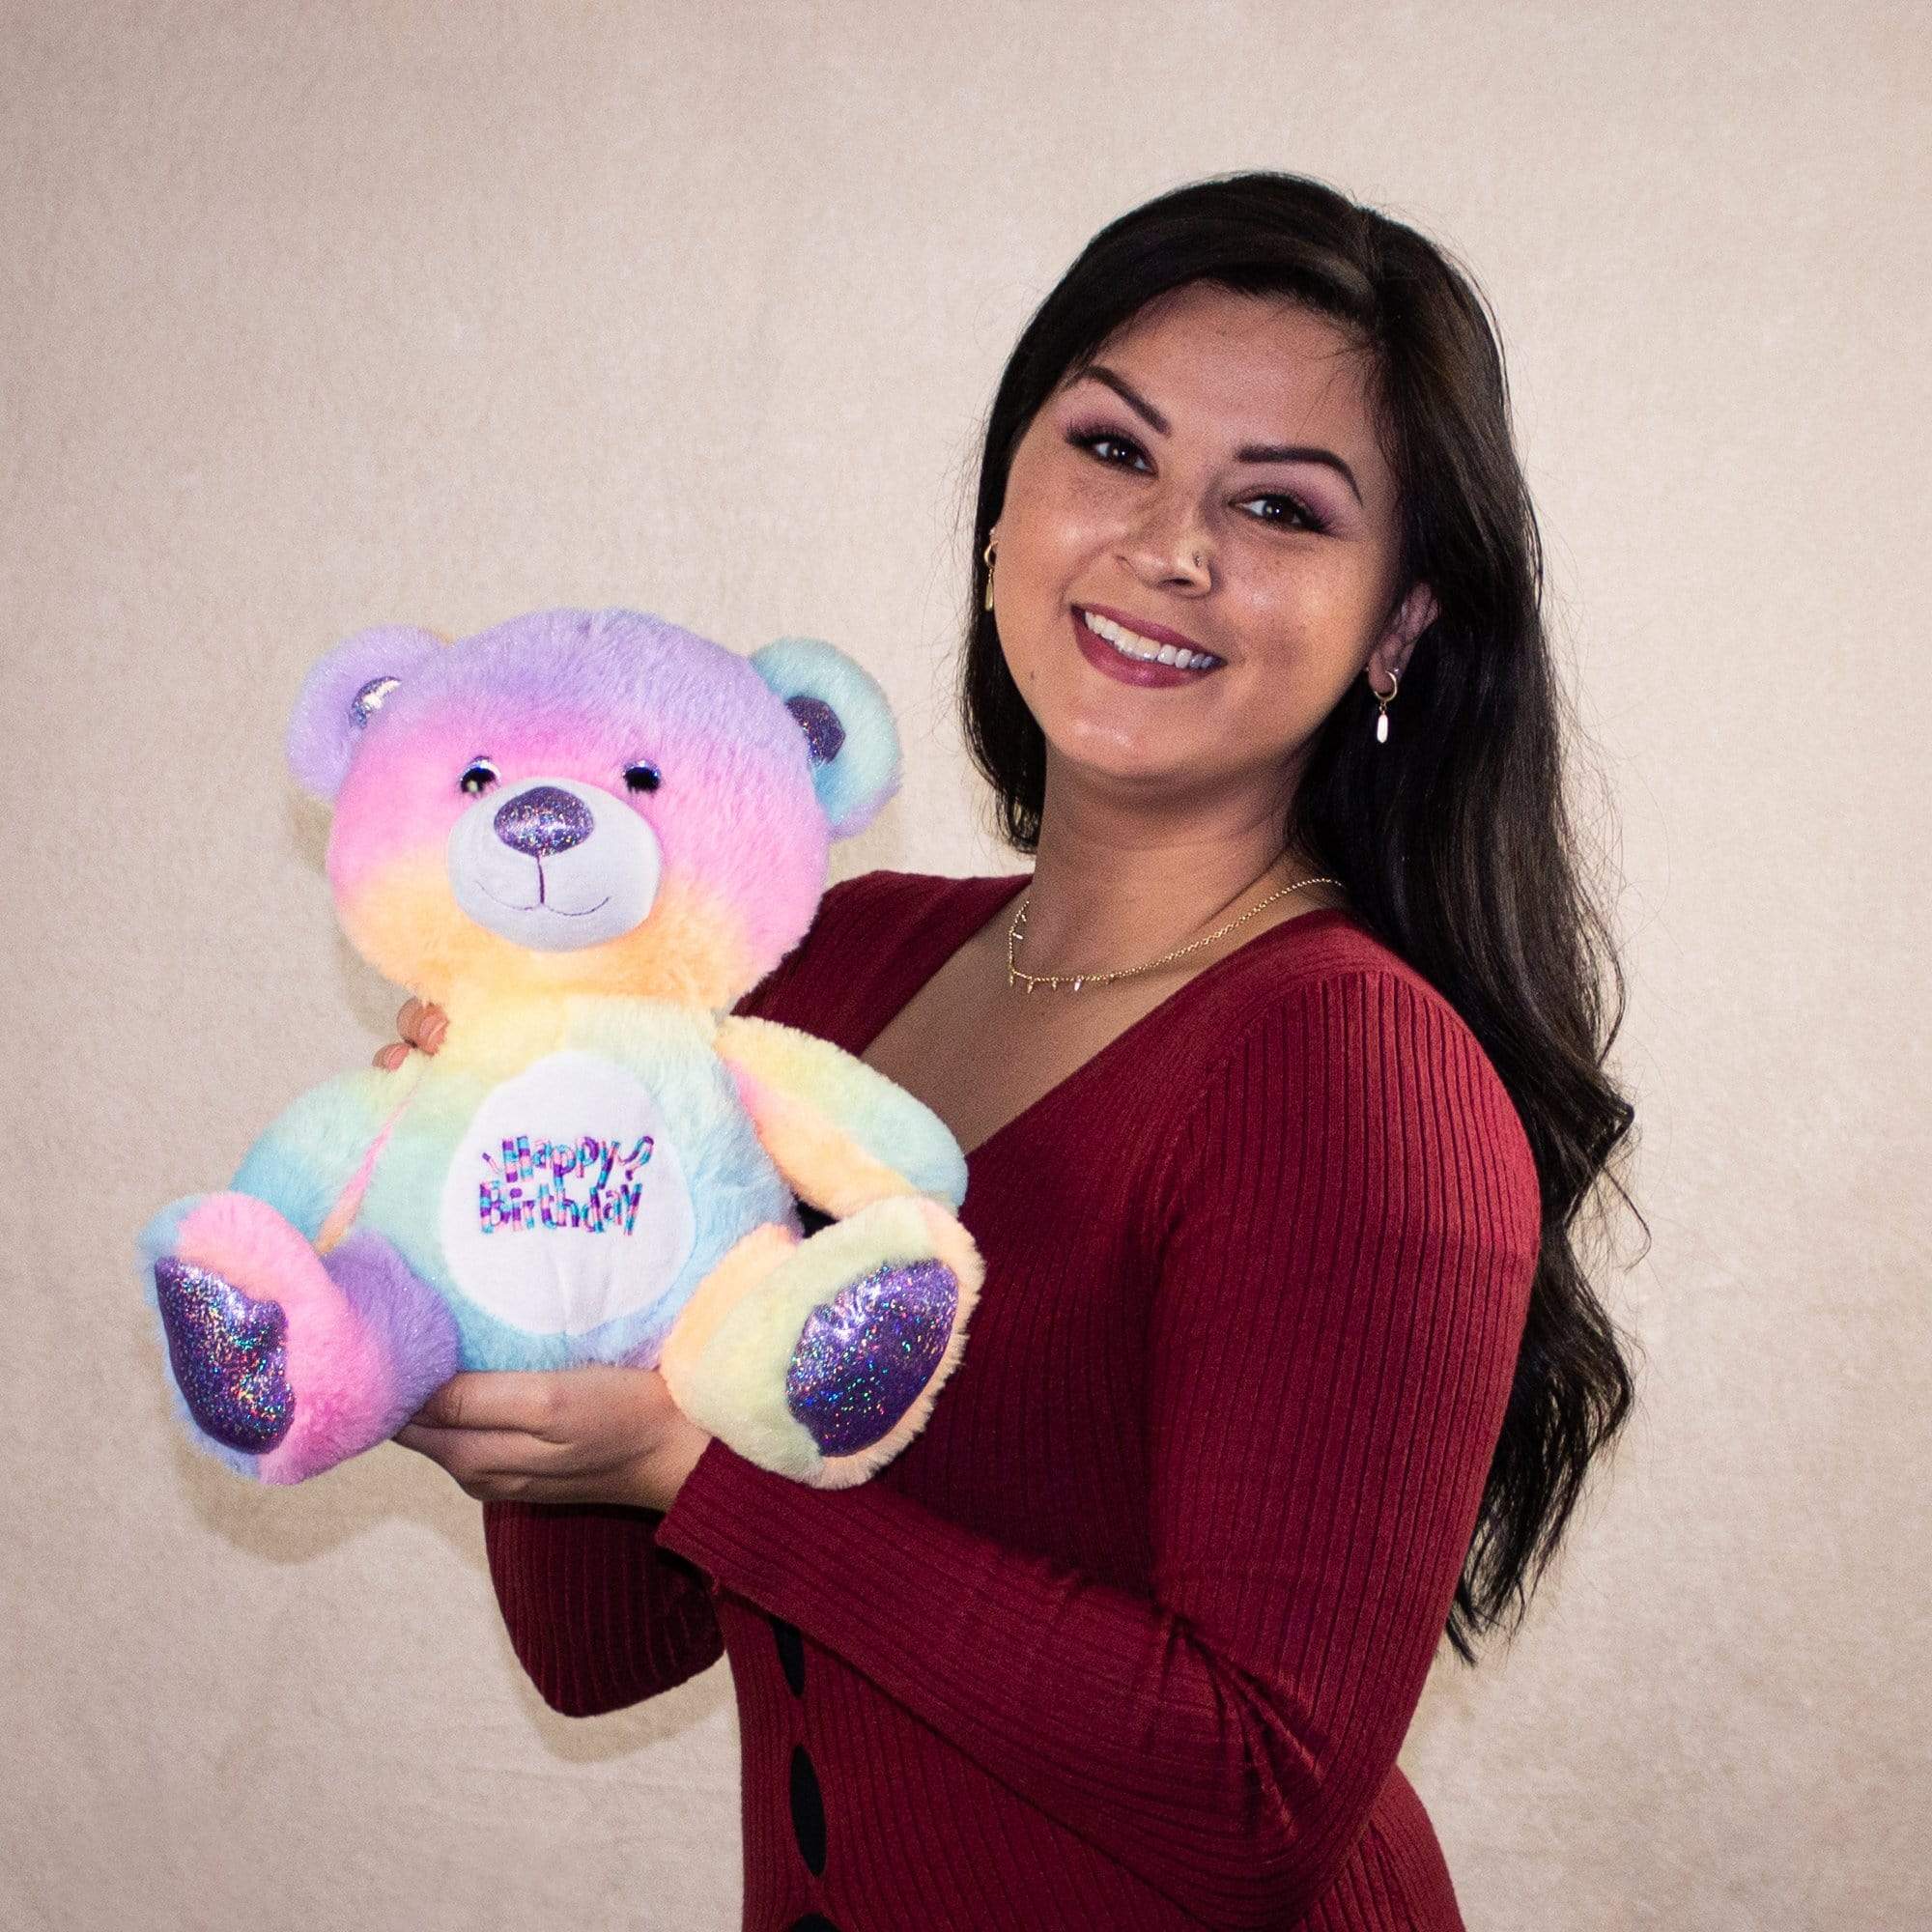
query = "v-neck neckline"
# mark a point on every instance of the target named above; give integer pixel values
(976, 912)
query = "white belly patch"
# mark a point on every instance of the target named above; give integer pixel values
(566, 1204)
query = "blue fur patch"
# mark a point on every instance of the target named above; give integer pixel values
(863, 772)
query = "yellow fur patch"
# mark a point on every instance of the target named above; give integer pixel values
(747, 1263)
(820, 1161)
(407, 925)
(726, 1362)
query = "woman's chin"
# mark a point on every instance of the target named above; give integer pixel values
(1128, 769)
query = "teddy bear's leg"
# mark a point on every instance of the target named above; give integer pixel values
(821, 1358)
(288, 1361)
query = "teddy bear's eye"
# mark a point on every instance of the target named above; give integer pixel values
(479, 777)
(641, 777)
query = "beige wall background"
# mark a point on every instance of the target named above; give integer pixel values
(321, 316)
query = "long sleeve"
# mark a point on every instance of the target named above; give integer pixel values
(1347, 1225)
(598, 1616)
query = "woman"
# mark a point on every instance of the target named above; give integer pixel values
(1280, 1076)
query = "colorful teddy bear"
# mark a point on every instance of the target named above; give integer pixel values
(583, 835)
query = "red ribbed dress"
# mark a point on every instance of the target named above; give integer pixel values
(1129, 1637)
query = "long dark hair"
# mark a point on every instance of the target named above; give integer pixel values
(1454, 838)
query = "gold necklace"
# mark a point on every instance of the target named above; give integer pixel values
(1079, 980)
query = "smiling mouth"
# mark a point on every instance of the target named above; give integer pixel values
(1145, 650)
(543, 905)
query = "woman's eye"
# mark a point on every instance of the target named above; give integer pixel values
(1118, 452)
(1096, 441)
(1289, 508)
(643, 777)
(479, 777)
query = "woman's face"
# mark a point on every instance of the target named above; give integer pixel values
(1212, 476)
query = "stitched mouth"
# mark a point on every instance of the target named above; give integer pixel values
(542, 905)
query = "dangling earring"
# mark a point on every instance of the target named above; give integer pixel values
(1382, 717)
(987, 555)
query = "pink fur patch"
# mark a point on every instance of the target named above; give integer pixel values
(583, 695)
(747, 828)
(341, 1383)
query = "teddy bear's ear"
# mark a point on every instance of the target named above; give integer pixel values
(849, 733)
(341, 694)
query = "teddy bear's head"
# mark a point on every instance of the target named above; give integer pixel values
(586, 801)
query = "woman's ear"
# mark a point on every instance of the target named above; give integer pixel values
(339, 696)
(847, 724)
(1417, 612)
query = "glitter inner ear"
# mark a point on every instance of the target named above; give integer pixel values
(230, 1356)
(823, 732)
(370, 697)
(864, 1356)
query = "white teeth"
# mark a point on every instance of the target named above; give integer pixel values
(1130, 643)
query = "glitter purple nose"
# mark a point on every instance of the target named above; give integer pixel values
(543, 820)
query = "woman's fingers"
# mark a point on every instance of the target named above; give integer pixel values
(555, 1404)
(422, 1027)
(486, 1451)
(598, 1434)
(604, 1433)
(532, 1401)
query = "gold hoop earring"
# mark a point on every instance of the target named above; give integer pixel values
(1382, 717)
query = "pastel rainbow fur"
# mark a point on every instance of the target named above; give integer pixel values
(342, 1356)
(681, 801)
(751, 1337)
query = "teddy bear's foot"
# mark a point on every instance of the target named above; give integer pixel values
(821, 1358)
(288, 1362)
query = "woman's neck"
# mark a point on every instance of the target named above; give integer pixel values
(1111, 889)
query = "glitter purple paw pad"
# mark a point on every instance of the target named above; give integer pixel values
(864, 1356)
(229, 1354)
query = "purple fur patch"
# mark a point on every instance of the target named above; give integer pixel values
(342, 696)
(412, 1325)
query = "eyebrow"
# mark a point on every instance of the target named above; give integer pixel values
(1253, 452)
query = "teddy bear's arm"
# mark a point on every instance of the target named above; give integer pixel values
(303, 1163)
(839, 1132)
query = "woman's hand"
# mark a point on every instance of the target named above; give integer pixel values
(421, 1025)
(567, 1436)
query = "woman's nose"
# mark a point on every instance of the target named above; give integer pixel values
(1173, 552)
(1171, 545)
